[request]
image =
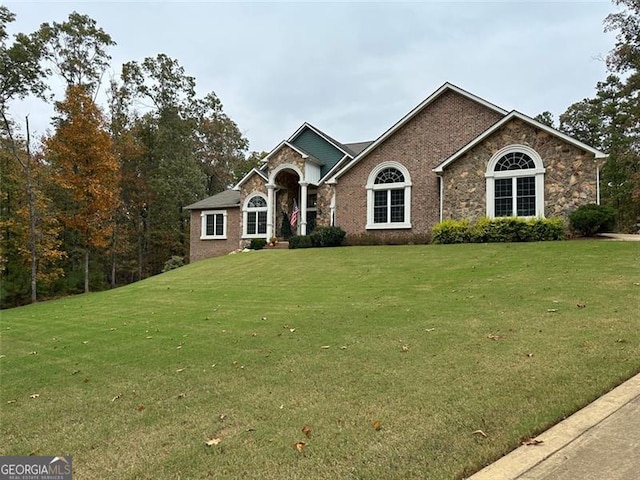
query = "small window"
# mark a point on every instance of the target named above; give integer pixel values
(214, 225)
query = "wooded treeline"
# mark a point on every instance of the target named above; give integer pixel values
(98, 202)
(610, 121)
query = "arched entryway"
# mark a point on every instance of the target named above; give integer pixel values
(287, 190)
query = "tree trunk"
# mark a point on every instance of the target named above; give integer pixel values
(86, 270)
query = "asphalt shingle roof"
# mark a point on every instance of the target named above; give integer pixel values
(226, 199)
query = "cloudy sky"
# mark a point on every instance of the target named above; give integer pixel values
(350, 68)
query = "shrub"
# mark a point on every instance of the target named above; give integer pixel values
(328, 236)
(300, 241)
(588, 220)
(257, 243)
(174, 262)
(321, 237)
(499, 230)
(452, 231)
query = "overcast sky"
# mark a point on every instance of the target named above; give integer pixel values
(351, 69)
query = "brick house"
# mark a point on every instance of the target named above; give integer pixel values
(453, 156)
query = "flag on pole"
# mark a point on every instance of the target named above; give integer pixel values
(294, 214)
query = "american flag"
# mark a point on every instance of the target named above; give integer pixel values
(294, 214)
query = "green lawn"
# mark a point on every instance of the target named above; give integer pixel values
(434, 342)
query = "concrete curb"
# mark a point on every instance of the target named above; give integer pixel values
(515, 464)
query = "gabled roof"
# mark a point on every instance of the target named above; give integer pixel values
(319, 132)
(226, 199)
(254, 171)
(447, 87)
(357, 147)
(326, 150)
(526, 119)
(284, 143)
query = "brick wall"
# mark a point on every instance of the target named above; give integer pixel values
(440, 129)
(201, 249)
(569, 181)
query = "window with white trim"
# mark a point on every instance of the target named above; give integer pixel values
(515, 183)
(214, 225)
(255, 217)
(389, 197)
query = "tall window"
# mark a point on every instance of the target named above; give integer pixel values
(214, 225)
(389, 197)
(255, 216)
(515, 183)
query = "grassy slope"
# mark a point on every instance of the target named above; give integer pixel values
(183, 348)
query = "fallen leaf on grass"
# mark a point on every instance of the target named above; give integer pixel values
(306, 430)
(552, 310)
(75, 372)
(479, 433)
(180, 370)
(299, 446)
(117, 397)
(494, 337)
(180, 396)
(149, 337)
(12, 401)
(85, 379)
(140, 408)
(222, 416)
(405, 348)
(532, 442)
(34, 395)
(376, 425)
(581, 305)
(429, 329)
(324, 347)
(213, 441)
(292, 330)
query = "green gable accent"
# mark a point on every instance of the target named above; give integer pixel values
(318, 147)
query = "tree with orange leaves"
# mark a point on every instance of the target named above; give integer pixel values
(85, 170)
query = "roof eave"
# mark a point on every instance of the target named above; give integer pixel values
(515, 114)
(409, 116)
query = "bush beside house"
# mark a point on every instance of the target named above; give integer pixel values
(498, 230)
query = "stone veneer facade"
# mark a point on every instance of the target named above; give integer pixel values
(570, 179)
(439, 130)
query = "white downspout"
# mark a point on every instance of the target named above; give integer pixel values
(441, 179)
(597, 183)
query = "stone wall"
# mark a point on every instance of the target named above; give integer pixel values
(570, 178)
(201, 249)
(440, 129)
(323, 204)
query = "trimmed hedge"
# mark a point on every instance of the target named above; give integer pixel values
(321, 237)
(588, 220)
(498, 230)
(257, 243)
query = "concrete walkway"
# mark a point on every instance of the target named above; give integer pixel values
(599, 442)
(627, 237)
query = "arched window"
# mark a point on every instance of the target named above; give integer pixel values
(389, 197)
(515, 183)
(254, 215)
